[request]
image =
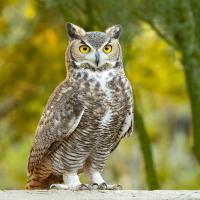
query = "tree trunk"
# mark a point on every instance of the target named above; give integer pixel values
(146, 151)
(192, 73)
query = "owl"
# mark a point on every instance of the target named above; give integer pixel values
(86, 117)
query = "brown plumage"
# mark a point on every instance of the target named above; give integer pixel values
(87, 115)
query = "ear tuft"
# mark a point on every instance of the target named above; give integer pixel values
(74, 31)
(114, 31)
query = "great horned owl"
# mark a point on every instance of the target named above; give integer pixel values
(86, 116)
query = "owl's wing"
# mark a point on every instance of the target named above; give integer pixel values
(127, 125)
(60, 118)
(126, 128)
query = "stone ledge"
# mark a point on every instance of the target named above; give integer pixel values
(100, 195)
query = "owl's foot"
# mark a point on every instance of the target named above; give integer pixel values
(104, 186)
(71, 182)
(66, 187)
(94, 186)
(97, 182)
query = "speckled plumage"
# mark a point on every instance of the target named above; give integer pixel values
(85, 118)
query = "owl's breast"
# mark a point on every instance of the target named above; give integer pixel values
(107, 84)
(106, 99)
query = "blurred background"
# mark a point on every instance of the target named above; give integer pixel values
(161, 44)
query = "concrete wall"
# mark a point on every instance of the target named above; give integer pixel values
(99, 195)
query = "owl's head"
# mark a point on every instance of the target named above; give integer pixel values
(94, 49)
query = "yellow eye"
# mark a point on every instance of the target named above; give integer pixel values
(107, 48)
(84, 49)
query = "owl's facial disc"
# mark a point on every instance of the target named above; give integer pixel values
(95, 49)
(86, 54)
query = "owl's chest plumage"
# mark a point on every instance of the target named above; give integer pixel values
(105, 97)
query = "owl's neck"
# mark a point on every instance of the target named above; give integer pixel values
(75, 72)
(89, 79)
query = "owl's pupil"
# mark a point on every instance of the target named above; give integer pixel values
(106, 48)
(85, 49)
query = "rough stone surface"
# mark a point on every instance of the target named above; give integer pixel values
(100, 195)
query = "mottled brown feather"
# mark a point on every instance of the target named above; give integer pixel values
(48, 132)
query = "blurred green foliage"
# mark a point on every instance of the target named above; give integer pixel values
(158, 41)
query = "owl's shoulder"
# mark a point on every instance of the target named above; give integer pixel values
(63, 99)
(65, 90)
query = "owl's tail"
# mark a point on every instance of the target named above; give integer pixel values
(36, 183)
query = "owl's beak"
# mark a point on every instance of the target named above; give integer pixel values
(97, 58)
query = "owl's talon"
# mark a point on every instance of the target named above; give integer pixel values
(103, 186)
(94, 186)
(52, 186)
(58, 186)
(84, 187)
